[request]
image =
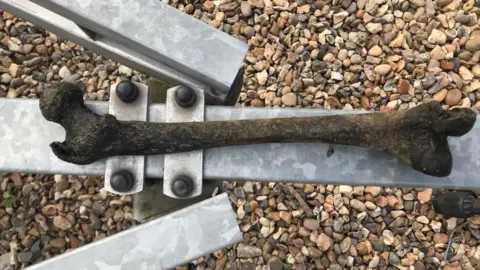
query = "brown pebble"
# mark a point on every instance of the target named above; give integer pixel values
(319, 4)
(365, 102)
(257, 103)
(440, 95)
(363, 248)
(440, 238)
(403, 86)
(453, 97)
(473, 44)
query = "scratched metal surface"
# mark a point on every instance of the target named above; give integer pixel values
(161, 32)
(25, 136)
(117, 51)
(163, 243)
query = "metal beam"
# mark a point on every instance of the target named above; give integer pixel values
(162, 33)
(25, 136)
(163, 243)
(122, 53)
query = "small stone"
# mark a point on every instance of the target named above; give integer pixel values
(388, 237)
(275, 263)
(49, 210)
(61, 223)
(247, 251)
(374, 262)
(58, 242)
(289, 99)
(286, 216)
(5, 78)
(473, 43)
(345, 190)
(440, 238)
(393, 259)
(440, 96)
(257, 103)
(465, 73)
(363, 248)
(249, 31)
(345, 244)
(418, 3)
(425, 195)
(403, 86)
(374, 190)
(311, 224)
(339, 17)
(453, 97)
(437, 37)
(262, 77)
(64, 72)
(383, 69)
(375, 51)
(374, 28)
(257, 3)
(423, 219)
(125, 71)
(324, 242)
(246, 9)
(397, 42)
(358, 205)
(25, 257)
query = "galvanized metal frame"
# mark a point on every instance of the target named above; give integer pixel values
(25, 151)
(124, 53)
(162, 243)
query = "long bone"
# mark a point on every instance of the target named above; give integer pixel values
(417, 136)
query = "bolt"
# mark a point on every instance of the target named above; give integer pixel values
(122, 181)
(127, 91)
(182, 186)
(185, 96)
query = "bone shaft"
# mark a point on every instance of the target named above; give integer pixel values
(337, 129)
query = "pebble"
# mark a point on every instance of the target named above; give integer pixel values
(388, 237)
(425, 195)
(61, 223)
(246, 9)
(473, 43)
(311, 224)
(453, 97)
(383, 69)
(358, 205)
(375, 51)
(437, 37)
(64, 72)
(324, 242)
(289, 99)
(441, 95)
(248, 251)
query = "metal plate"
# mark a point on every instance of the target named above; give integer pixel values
(109, 48)
(25, 151)
(159, 244)
(189, 164)
(136, 110)
(162, 33)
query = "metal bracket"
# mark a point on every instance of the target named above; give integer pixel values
(187, 167)
(136, 110)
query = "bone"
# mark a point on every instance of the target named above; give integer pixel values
(417, 136)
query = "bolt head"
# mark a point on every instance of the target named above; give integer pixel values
(182, 186)
(122, 181)
(185, 96)
(127, 91)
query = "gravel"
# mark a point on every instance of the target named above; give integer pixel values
(349, 55)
